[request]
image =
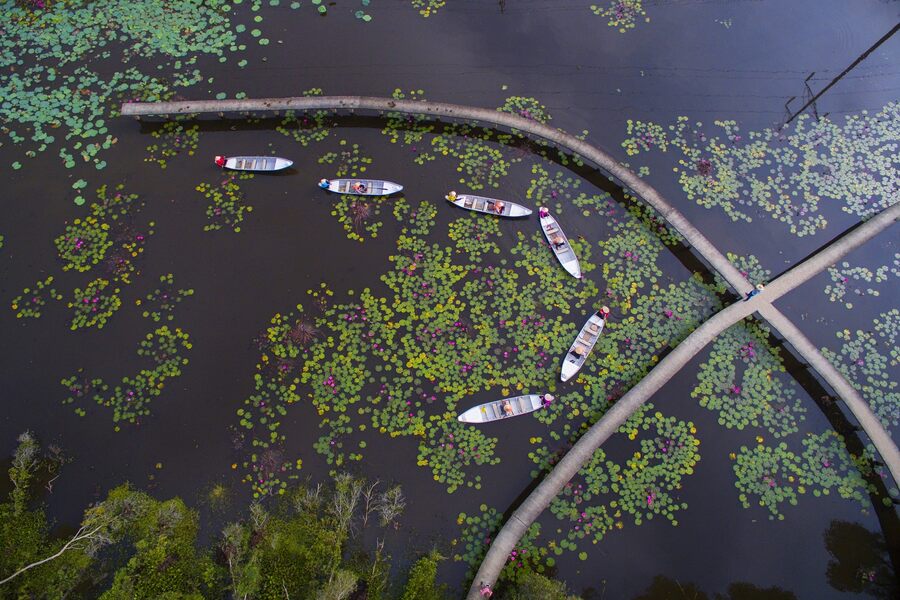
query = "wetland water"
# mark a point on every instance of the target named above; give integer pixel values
(473, 307)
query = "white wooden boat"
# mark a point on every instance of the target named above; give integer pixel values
(559, 243)
(491, 206)
(497, 410)
(360, 187)
(253, 163)
(583, 344)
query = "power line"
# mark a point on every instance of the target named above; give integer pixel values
(859, 59)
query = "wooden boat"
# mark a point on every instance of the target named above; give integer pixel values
(559, 243)
(491, 206)
(253, 163)
(360, 187)
(583, 344)
(495, 411)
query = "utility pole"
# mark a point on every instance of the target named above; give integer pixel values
(859, 59)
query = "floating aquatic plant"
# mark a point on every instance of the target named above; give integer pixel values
(30, 304)
(528, 108)
(622, 14)
(174, 138)
(164, 349)
(744, 381)
(357, 214)
(750, 268)
(94, 305)
(784, 172)
(226, 207)
(865, 358)
(409, 129)
(84, 244)
(160, 303)
(427, 8)
(841, 280)
(477, 532)
(775, 476)
(55, 105)
(306, 128)
(768, 475)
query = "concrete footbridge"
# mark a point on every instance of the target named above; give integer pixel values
(538, 500)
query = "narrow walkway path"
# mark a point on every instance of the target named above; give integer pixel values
(538, 500)
(693, 237)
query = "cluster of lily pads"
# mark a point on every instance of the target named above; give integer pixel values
(30, 303)
(621, 14)
(745, 382)
(785, 172)
(476, 533)
(94, 305)
(357, 214)
(841, 280)
(306, 128)
(174, 138)
(427, 8)
(866, 358)
(107, 243)
(164, 349)
(226, 206)
(160, 304)
(46, 104)
(775, 476)
(481, 154)
(463, 318)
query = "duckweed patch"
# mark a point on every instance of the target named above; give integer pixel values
(787, 172)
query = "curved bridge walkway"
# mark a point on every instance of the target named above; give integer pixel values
(540, 498)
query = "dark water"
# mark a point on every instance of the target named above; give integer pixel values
(590, 77)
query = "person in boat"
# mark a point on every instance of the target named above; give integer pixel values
(359, 187)
(544, 212)
(507, 408)
(324, 184)
(578, 351)
(547, 399)
(451, 196)
(498, 207)
(604, 312)
(558, 241)
(220, 161)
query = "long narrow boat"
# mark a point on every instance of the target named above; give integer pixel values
(508, 407)
(559, 243)
(253, 163)
(491, 206)
(360, 187)
(583, 344)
